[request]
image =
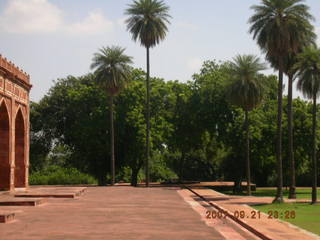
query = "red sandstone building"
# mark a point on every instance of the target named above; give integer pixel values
(14, 126)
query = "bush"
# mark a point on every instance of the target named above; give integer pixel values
(55, 175)
(159, 171)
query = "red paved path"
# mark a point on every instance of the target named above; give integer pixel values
(113, 213)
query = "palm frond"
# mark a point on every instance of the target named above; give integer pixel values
(281, 28)
(308, 71)
(148, 21)
(246, 87)
(112, 68)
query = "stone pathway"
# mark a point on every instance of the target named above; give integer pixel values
(155, 213)
(114, 213)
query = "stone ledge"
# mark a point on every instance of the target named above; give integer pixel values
(21, 202)
(46, 195)
(14, 70)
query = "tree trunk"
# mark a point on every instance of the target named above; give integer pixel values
(237, 188)
(102, 177)
(292, 190)
(101, 181)
(134, 176)
(148, 120)
(279, 196)
(112, 142)
(248, 153)
(181, 167)
(314, 154)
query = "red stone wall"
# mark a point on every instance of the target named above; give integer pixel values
(14, 126)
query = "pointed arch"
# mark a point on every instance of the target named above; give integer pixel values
(3, 102)
(20, 141)
(4, 146)
(20, 109)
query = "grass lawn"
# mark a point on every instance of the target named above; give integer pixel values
(306, 216)
(302, 193)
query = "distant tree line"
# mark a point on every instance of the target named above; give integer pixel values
(196, 133)
(191, 129)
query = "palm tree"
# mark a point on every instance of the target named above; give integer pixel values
(290, 71)
(308, 75)
(112, 72)
(246, 91)
(147, 24)
(291, 60)
(280, 26)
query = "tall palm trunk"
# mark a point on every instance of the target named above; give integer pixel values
(112, 141)
(182, 159)
(279, 196)
(248, 153)
(148, 120)
(292, 191)
(314, 154)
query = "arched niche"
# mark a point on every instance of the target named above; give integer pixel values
(4, 147)
(20, 165)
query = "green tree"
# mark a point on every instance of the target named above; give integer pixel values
(308, 66)
(246, 91)
(200, 121)
(196, 133)
(40, 141)
(74, 114)
(279, 26)
(112, 72)
(147, 24)
(131, 124)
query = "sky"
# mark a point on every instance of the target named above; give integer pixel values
(51, 39)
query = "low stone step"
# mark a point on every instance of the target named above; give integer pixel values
(45, 195)
(6, 217)
(21, 202)
(80, 192)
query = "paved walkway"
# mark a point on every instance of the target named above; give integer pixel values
(268, 228)
(157, 213)
(115, 213)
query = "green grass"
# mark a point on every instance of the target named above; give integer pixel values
(301, 193)
(307, 216)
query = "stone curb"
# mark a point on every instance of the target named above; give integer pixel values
(231, 216)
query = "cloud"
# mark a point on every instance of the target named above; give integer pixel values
(186, 25)
(194, 64)
(24, 16)
(41, 16)
(94, 23)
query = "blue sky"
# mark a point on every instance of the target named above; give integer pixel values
(51, 39)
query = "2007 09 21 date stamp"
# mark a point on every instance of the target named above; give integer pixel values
(272, 214)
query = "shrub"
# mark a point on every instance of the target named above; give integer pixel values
(159, 171)
(55, 175)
